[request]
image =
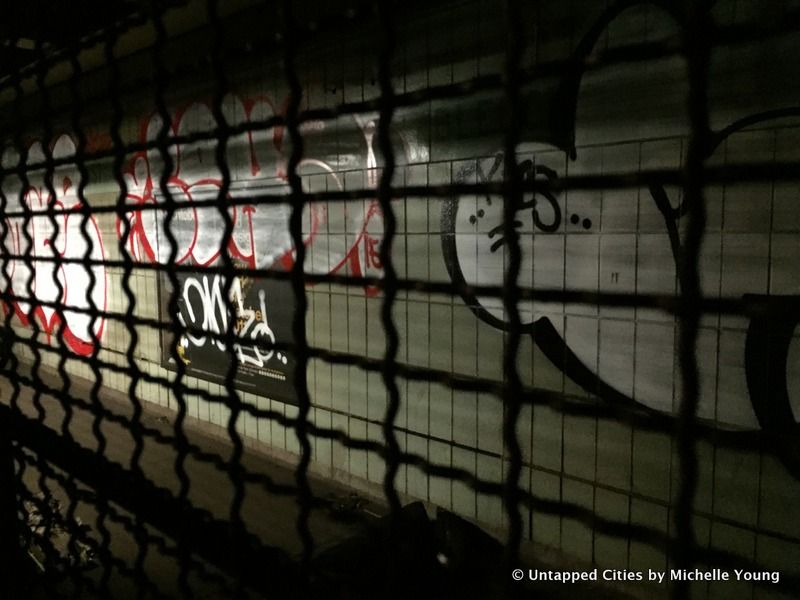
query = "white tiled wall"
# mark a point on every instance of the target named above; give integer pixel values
(610, 467)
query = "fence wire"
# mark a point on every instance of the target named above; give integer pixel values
(48, 478)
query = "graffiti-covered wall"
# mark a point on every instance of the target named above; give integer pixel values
(594, 115)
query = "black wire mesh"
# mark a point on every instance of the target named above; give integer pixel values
(43, 412)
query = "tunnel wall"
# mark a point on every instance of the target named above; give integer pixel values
(628, 117)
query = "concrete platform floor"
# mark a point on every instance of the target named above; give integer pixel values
(271, 517)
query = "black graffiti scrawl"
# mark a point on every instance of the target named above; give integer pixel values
(257, 311)
(561, 237)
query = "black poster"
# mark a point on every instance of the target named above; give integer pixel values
(262, 310)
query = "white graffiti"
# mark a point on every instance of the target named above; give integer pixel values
(36, 240)
(206, 309)
(337, 235)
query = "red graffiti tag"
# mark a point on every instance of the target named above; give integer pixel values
(334, 235)
(36, 283)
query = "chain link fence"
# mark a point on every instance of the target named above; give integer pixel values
(71, 493)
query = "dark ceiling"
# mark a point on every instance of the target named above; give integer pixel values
(31, 28)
